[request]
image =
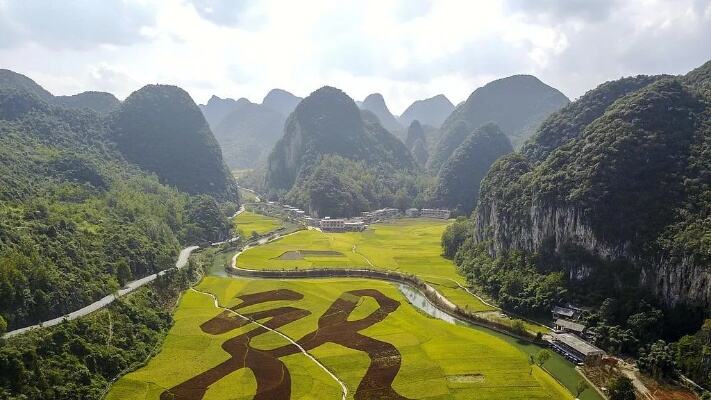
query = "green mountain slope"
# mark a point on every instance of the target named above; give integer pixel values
(458, 180)
(160, 128)
(621, 176)
(327, 126)
(517, 104)
(100, 102)
(76, 220)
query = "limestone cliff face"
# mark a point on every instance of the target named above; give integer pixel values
(629, 188)
(674, 280)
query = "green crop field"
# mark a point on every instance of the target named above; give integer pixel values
(405, 245)
(346, 325)
(248, 222)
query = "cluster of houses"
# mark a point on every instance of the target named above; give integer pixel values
(569, 338)
(354, 224)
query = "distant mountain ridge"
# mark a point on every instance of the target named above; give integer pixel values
(281, 101)
(218, 108)
(432, 111)
(247, 131)
(517, 104)
(375, 103)
(100, 102)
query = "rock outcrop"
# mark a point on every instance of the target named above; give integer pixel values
(621, 175)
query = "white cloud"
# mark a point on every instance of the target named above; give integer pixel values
(404, 49)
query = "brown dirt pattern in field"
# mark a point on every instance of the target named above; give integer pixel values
(272, 376)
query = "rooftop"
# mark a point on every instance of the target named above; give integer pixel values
(570, 325)
(563, 311)
(577, 344)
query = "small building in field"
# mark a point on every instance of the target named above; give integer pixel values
(412, 212)
(336, 224)
(563, 325)
(575, 349)
(435, 213)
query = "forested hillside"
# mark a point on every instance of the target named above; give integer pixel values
(76, 220)
(457, 186)
(517, 104)
(161, 129)
(100, 102)
(416, 142)
(607, 204)
(331, 149)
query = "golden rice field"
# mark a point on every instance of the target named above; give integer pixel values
(362, 331)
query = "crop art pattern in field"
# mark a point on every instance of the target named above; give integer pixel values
(272, 376)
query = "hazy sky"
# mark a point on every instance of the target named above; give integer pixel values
(404, 49)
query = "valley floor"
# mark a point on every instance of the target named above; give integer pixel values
(237, 338)
(346, 325)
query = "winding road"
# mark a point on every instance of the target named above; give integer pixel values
(105, 301)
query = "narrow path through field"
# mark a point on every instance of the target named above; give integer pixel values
(355, 251)
(344, 389)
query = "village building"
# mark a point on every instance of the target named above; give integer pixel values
(310, 221)
(575, 349)
(355, 226)
(564, 312)
(336, 224)
(563, 325)
(380, 215)
(412, 212)
(435, 213)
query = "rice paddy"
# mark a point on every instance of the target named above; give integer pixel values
(247, 222)
(361, 333)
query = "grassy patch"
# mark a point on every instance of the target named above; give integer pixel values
(248, 222)
(437, 360)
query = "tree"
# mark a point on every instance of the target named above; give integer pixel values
(3, 325)
(518, 327)
(542, 356)
(658, 361)
(123, 272)
(622, 389)
(581, 387)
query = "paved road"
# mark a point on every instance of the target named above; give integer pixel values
(99, 304)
